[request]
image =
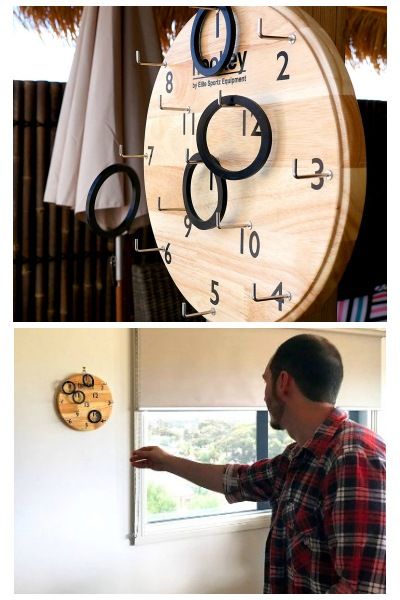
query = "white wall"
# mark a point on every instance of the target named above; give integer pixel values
(73, 489)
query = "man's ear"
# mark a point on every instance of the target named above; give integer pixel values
(284, 383)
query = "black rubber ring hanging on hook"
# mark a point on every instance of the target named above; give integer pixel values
(78, 394)
(88, 380)
(195, 42)
(69, 383)
(187, 197)
(133, 206)
(266, 137)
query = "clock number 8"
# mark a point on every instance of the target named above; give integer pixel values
(169, 85)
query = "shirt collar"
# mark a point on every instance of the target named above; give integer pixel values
(323, 435)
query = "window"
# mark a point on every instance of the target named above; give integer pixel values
(210, 436)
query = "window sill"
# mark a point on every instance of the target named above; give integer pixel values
(188, 528)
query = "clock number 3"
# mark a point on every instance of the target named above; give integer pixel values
(214, 291)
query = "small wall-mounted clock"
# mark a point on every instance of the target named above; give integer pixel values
(84, 401)
(255, 163)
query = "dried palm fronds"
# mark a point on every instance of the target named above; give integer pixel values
(63, 21)
(366, 32)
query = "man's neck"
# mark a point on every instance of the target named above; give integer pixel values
(302, 424)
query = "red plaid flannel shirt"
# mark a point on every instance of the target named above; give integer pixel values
(327, 531)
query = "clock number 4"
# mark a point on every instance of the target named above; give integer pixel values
(278, 291)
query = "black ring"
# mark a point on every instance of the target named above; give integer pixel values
(81, 395)
(195, 42)
(65, 383)
(92, 195)
(187, 197)
(91, 380)
(266, 137)
(98, 413)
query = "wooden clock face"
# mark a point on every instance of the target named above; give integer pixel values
(84, 402)
(281, 235)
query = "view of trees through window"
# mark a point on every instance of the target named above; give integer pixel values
(217, 437)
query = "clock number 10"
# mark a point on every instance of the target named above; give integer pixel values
(254, 243)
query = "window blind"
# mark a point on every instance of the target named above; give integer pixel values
(199, 368)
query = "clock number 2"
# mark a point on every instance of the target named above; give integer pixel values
(214, 291)
(282, 75)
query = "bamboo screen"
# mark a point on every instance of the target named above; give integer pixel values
(61, 270)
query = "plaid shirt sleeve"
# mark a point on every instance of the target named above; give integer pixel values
(354, 520)
(256, 482)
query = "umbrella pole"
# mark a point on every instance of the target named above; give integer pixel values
(118, 280)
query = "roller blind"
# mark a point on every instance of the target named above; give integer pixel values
(223, 367)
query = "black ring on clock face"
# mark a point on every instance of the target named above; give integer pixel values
(187, 197)
(195, 42)
(78, 397)
(88, 380)
(69, 383)
(94, 416)
(266, 137)
(92, 195)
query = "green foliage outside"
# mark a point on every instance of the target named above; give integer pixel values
(209, 441)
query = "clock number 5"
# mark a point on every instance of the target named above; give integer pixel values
(214, 291)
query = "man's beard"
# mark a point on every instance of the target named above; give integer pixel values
(276, 410)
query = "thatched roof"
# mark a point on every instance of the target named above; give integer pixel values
(366, 26)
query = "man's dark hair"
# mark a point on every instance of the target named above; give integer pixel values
(314, 363)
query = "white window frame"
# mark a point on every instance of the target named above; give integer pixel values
(189, 527)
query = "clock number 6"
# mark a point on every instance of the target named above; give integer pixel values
(214, 291)
(167, 254)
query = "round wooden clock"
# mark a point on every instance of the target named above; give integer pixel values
(255, 170)
(84, 401)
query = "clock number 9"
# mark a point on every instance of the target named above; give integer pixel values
(214, 291)
(254, 243)
(188, 225)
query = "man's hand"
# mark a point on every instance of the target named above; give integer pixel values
(153, 457)
(150, 457)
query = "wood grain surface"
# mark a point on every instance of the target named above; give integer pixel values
(300, 237)
(97, 397)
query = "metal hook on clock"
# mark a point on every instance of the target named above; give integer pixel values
(166, 209)
(212, 311)
(328, 174)
(122, 155)
(291, 38)
(285, 296)
(206, 7)
(137, 249)
(149, 64)
(191, 162)
(186, 109)
(247, 225)
(222, 105)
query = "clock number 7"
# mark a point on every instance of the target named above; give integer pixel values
(151, 148)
